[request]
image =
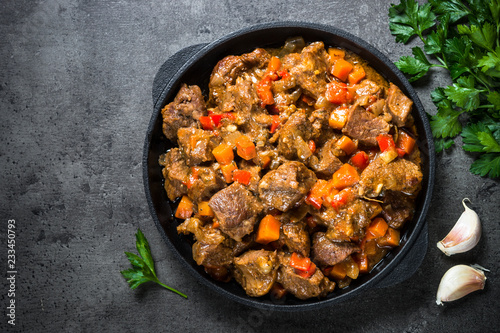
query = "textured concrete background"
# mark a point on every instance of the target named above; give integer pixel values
(75, 101)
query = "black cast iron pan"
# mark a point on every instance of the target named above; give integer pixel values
(193, 65)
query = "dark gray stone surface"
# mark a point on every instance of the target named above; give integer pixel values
(75, 102)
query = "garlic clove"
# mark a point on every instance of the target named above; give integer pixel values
(459, 281)
(464, 235)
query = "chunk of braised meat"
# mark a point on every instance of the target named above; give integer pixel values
(197, 144)
(293, 137)
(236, 209)
(228, 69)
(309, 68)
(328, 162)
(326, 252)
(321, 131)
(296, 238)
(400, 175)
(397, 208)
(348, 221)
(286, 186)
(209, 248)
(188, 106)
(241, 98)
(364, 126)
(175, 173)
(366, 89)
(317, 285)
(207, 183)
(399, 105)
(256, 271)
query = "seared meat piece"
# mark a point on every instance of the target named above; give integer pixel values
(321, 131)
(188, 106)
(228, 69)
(286, 186)
(309, 69)
(368, 88)
(175, 173)
(328, 161)
(255, 178)
(328, 253)
(397, 208)
(241, 98)
(294, 136)
(399, 105)
(212, 255)
(204, 234)
(296, 238)
(317, 285)
(236, 210)
(197, 144)
(349, 221)
(399, 175)
(364, 126)
(207, 183)
(256, 271)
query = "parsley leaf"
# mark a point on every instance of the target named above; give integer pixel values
(487, 165)
(441, 144)
(464, 94)
(490, 63)
(445, 123)
(484, 36)
(143, 268)
(479, 138)
(409, 18)
(454, 8)
(416, 66)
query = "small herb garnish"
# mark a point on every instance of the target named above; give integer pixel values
(463, 37)
(143, 266)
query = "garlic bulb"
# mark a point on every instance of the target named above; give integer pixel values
(459, 281)
(464, 235)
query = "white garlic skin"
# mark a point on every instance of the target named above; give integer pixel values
(464, 235)
(459, 281)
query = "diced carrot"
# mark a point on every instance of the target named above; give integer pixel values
(315, 195)
(204, 209)
(341, 69)
(362, 261)
(329, 198)
(227, 171)
(223, 153)
(215, 224)
(184, 209)
(346, 144)
(338, 118)
(300, 262)
(344, 177)
(342, 198)
(336, 53)
(312, 146)
(360, 160)
(369, 247)
(308, 273)
(193, 177)
(274, 64)
(264, 160)
(275, 123)
(385, 142)
(337, 93)
(245, 148)
(242, 176)
(390, 239)
(357, 74)
(338, 271)
(269, 230)
(405, 142)
(377, 228)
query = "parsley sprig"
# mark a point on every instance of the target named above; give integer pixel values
(461, 36)
(143, 267)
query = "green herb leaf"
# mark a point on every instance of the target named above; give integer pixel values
(454, 8)
(409, 18)
(463, 93)
(441, 144)
(143, 268)
(484, 36)
(416, 66)
(479, 138)
(445, 123)
(494, 99)
(490, 63)
(487, 165)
